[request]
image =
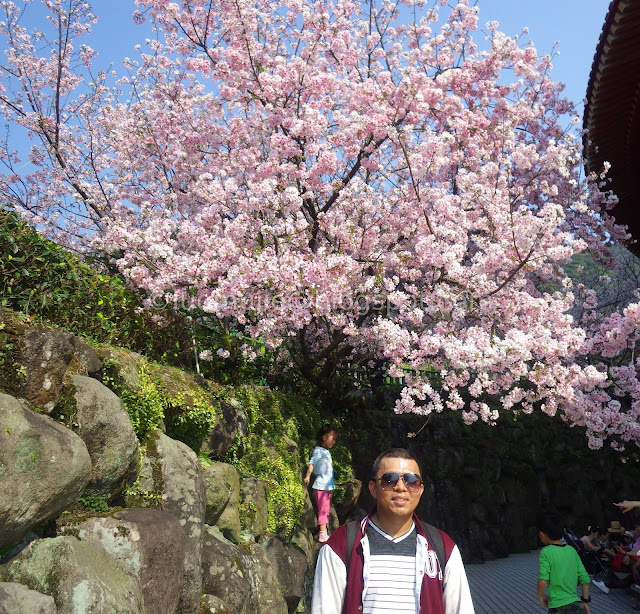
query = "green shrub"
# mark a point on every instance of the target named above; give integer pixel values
(44, 280)
(281, 475)
(144, 405)
(274, 418)
(191, 425)
(94, 503)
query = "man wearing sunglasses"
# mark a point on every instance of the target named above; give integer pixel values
(391, 568)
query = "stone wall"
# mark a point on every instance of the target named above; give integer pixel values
(484, 484)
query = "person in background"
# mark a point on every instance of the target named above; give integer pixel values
(321, 465)
(622, 548)
(560, 570)
(590, 539)
(632, 557)
(609, 538)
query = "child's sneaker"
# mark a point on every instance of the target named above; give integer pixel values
(323, 536)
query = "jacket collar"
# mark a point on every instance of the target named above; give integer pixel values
(365, 521)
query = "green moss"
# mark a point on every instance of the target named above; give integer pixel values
(12, 373)
(137, 495)
(189, 418)
(144, 404)
(274, 420)
(240, 566)
(154, 395)
(247, 511)
(65, 410)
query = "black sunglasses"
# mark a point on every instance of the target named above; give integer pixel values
(389, 480)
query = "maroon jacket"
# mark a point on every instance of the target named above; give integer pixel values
(431, 594)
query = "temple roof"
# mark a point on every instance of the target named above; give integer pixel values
(612, 110)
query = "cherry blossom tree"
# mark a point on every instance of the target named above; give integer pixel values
(356, 183)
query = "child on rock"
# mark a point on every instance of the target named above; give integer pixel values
(321, 466)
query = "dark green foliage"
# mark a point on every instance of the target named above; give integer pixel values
(39, 278)
(144, 404)
(275, 420)
(96, 504)
(45, 281)
(234, 369)
(190, 426)
(583, 266)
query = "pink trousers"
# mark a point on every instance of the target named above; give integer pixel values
(323, 502)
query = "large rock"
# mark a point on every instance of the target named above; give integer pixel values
(80, 576)
(253, 496)
(44, 468)
(225, 572)
(308, 517)
(124, 365)
(222, 483)
(106, 429)
(266, 594)
(150, 544)
(87, 356)
(171, 476)
(19, 599)
(232, 423)
(46, 354)
(290, 565)
(242, 578)
(349, 493)
(210, 604)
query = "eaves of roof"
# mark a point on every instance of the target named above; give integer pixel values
(612, 110)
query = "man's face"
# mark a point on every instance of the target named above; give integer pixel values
(398, 501)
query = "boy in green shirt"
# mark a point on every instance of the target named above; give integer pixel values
(560, 570)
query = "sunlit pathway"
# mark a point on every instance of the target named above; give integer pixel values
(508, 586)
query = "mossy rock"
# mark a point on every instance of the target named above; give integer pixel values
(123, 364)
(180, 384)
(148, 488)
(13, 329)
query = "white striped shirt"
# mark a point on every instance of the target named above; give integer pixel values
(391, 581)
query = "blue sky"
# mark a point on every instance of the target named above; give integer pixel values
(576, 24)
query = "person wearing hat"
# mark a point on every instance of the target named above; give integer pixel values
(615, 527)
(610, 538)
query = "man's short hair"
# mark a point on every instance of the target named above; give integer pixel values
(394, 453)
(551, 525)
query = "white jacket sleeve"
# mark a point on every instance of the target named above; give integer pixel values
(457, 596)
(329, 584)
